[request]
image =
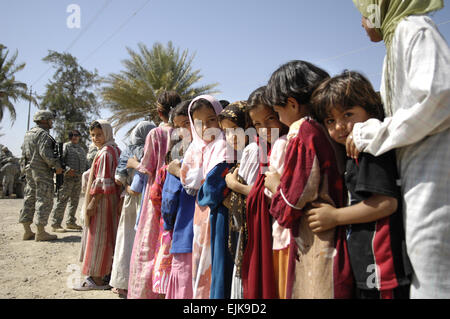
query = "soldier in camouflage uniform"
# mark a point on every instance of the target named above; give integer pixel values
(39, 159)
(10, 171)
(74, 157)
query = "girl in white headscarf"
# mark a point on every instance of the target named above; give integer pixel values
(101, 209)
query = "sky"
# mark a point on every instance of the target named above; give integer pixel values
(237, 43)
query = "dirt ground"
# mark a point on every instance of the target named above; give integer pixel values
(39, 270)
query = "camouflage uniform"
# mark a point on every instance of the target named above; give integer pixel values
(10, 172)
(75, 158)
(40, 160)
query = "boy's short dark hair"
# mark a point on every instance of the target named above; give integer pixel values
(257, 97)
(297, 79)
(181, 109)
(94, 125)
(346, 90)
(167, 100)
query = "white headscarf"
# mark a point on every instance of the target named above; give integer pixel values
(202, 156)
(109, 141)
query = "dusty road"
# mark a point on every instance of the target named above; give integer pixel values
(39, 270)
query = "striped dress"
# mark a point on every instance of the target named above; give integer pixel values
(101, 234)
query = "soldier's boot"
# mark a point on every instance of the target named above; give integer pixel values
(58, 229)
(28, 235)
(73, 226)
(42, 235)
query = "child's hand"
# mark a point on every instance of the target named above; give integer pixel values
(350, 146)
(231, 179)
(322, 217)
(132, 162)
(90, 210)
(118, 183)
(174, 168)
(272, 181)
(131, 192)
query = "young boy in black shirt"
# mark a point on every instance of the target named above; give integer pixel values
(375, 234)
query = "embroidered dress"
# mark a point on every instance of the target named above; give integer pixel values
(238, 232)
(142, 258)
(102, 228)
(319, 265)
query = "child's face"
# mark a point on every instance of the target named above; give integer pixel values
(235, 138)
(182, 121)
(291, 112)
(340, 122)
(97, 136)
(205, 120)
(265, 119)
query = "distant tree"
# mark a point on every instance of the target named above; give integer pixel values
(70, 95)
(131, 95)
(10, 89)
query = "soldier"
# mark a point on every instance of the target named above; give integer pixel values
(38, 152)
(74, 157)
(5, 155)
(10, 172)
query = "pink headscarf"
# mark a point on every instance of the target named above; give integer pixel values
(202, 156)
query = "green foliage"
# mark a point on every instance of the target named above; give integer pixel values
(70, 95)
(131, 95)
(10, 89)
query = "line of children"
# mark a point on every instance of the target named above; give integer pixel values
(252, 202)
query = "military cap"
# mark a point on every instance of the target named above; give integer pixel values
(43, 115)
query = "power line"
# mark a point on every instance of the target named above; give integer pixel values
(83, 31)
(117, 31)
(107, 2)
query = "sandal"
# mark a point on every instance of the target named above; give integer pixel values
(89, 284)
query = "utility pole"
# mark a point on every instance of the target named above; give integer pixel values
(29, 109)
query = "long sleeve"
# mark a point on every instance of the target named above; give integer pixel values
(151, 149)
(310, 173)
(46, 151)
(421, 92)
(104, 167)
(170, 201)
(214, 189)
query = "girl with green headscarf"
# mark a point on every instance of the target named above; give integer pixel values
(416, 94)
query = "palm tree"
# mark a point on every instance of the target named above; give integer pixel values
(10, 89)
(132, 94)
